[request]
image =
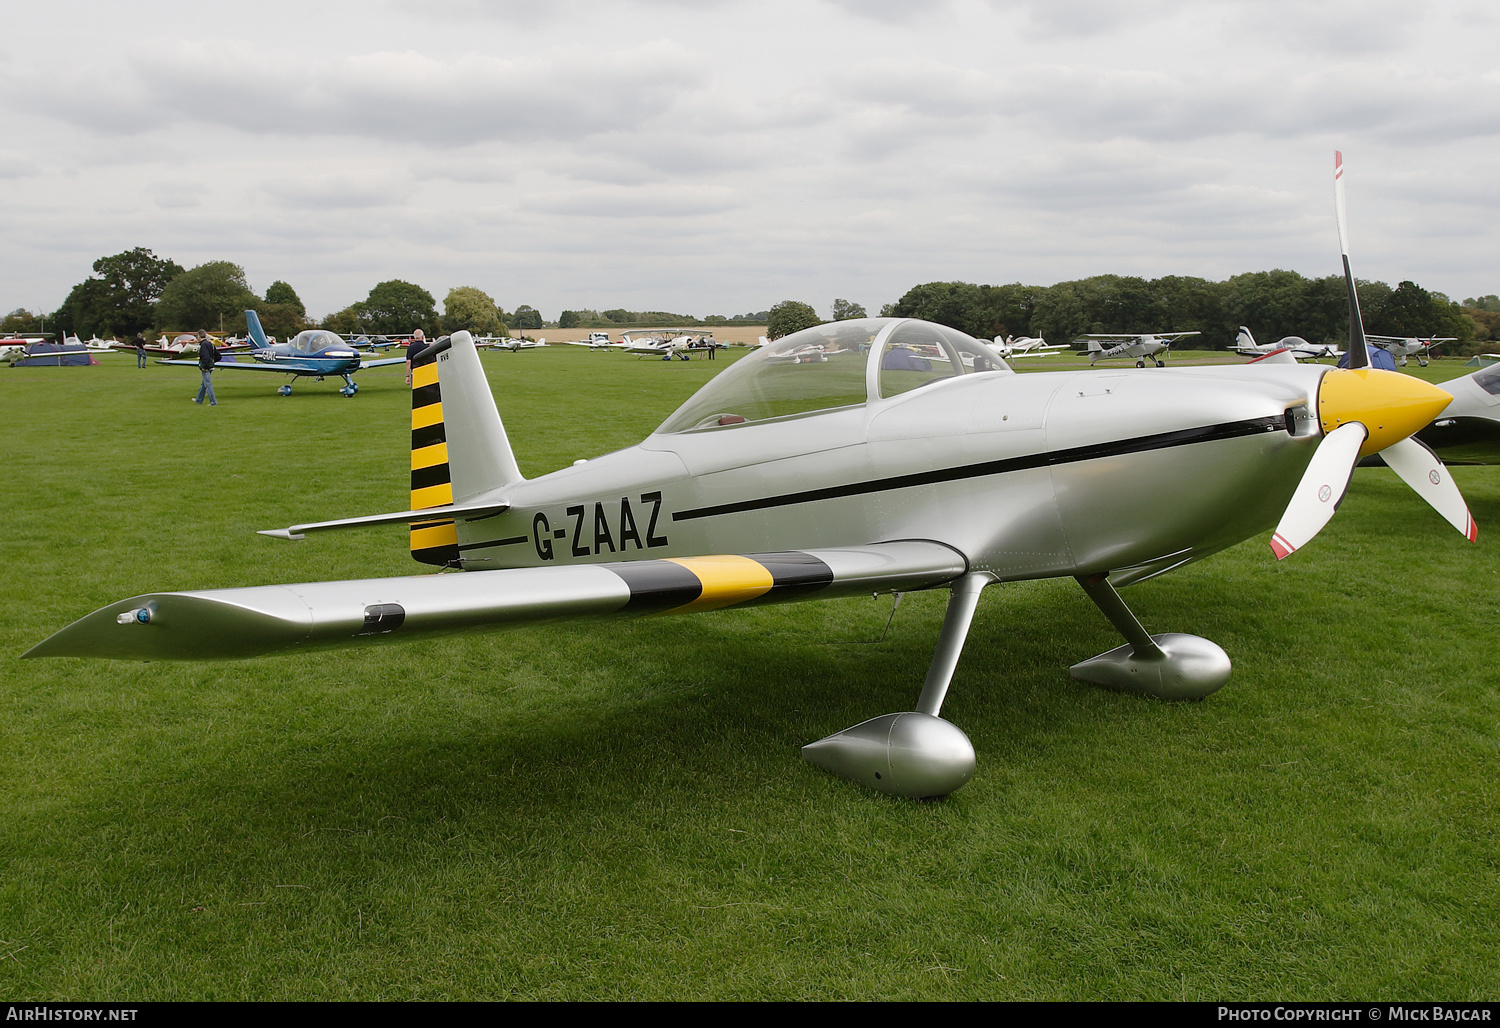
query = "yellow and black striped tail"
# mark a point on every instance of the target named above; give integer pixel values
(432, 542)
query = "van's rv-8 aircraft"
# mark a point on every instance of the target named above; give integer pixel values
(782, 482)
(1299, 348)
(1026, 346)
(1139, 345)
(315, 353)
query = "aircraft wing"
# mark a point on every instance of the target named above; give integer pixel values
(219, 624)
(383, 362)
(280, 368)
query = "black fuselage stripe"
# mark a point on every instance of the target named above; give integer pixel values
(1095, 451)
(512, 541)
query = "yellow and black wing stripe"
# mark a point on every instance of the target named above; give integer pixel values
(684, 585)
(432, 542)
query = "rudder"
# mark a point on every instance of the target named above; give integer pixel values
(459, 449)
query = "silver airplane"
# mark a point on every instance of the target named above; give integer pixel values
(1468, 432)
(1299, 348)
(1026, 346)
(1137, 345)
(782, 482)
(1404, 347)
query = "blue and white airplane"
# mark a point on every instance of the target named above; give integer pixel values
(316, 353)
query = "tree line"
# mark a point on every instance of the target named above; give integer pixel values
(137, 291)
(1272, 304)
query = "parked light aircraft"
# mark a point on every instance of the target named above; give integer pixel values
(1140, 346)
(1402, 347)
(510, 343)
(12, 345)
(782, 482)
(1300, 349)
(597, 341)
(1025, 346)
(667, 345)
(315, 353)
(182, 345)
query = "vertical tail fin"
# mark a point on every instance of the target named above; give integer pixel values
(459, 449)
(1244, 340)
(257, 334)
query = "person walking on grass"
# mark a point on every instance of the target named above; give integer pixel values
(208, 356)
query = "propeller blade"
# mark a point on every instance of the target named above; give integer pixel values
(1419, 467)
(1359, 355)
(1321, 490)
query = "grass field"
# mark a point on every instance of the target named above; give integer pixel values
(619, 810)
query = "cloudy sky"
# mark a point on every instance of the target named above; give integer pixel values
(717, 156)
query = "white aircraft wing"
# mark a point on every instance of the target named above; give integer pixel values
(241, 366)
(383, 362)
(219, 624)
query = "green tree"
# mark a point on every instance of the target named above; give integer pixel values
(282, 320)
(466, 307)
(210, 294)
(20, 320)
(526, 316)
(349, 321)
(280, 292)
(619, 315)
(396, 306)
(843, 310)
(84, 310)
(133, 282)
(790, 316)
(568, 319)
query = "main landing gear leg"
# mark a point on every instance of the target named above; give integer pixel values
(1171, 666)
(914, 754)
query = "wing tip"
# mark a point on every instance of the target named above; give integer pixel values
(1281, 547)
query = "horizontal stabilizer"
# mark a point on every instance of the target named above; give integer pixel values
(220, 624)
(460, 511)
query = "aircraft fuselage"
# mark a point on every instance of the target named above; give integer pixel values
(1028, 476)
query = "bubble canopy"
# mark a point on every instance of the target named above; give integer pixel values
(827, 367)
(314, 339)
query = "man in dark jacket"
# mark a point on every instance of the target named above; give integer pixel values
(208, 356)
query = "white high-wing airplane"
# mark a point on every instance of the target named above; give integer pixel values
(783, 482)
(1026, 346)
(1300, 349)
(1140, 346)
(1403, 347)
